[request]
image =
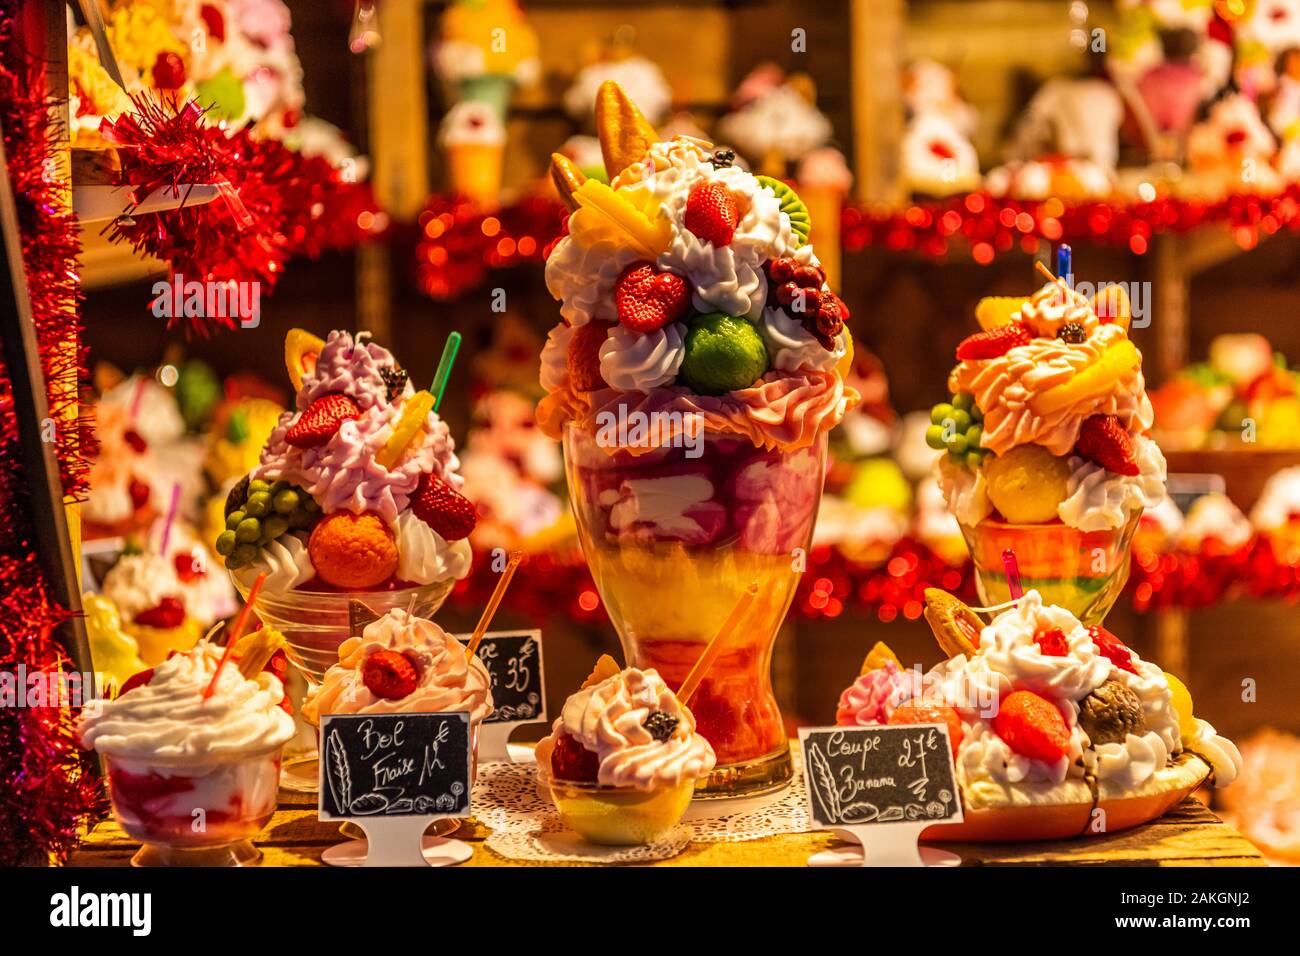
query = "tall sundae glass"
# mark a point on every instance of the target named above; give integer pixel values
(354, 509)
(693, 381)
(1047, 454)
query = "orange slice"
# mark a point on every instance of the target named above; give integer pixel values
(606, 667)
(411, 424)
(1093, 382)
(301, 350)
(994, 311)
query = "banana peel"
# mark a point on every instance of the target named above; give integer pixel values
(956, 627)
(625, 134)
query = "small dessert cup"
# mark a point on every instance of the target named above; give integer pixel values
(201, 812)
(620, 816)
(1082, 571)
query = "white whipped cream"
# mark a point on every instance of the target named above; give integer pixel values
(138, 582)
(1214, 517)
(1219, 752)
(780, 121)
(1007, 647)
(793, 348)
(285, 562)
(583, 278)
(964, 490)
(1099, 499)
(555, 357)
(633, 361)
(1279, 500)
(424, 556)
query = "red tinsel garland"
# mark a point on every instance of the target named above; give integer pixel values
(276, 203)
(44, 797)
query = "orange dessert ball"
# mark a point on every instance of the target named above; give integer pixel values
(353, 551)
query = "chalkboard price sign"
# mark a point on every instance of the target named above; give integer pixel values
(865, 776)
(394, 765)
(514, 663)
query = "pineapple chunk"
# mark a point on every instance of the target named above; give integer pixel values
(994, 311)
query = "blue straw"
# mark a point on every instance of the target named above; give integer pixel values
(1065, 262)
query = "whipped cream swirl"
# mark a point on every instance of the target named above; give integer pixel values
(1099, 499)
(793, 348)
(639, 361)
(424, 556)
(285, 562)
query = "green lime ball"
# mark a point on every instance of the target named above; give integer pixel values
(723, 354)
(223, 95)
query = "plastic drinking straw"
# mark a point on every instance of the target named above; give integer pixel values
(493, 602)
(1064, 262)
(171, 518)
(236, 634)
(444, 368)
(136, 396)
(1012, 567)
(714, 647)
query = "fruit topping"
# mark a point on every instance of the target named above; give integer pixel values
(994, 343)
(354, 552)
(395, 380)
(168, 71)
(957, 427)
(1072, 333)
(570, 760)
(1052, 643)
(584, 356)
(1093, 382)
(258, 512)
(998, 310)
(188, 567)
(723, 353)
(916, 712)
(1102, 439)
(389, 675)
(1110, 713)
(301, 350)
(606, 667)
(1112, 305)
(1032, 726)
(648, 299)
(661, 725)
(791, 205)
(956, 627)
(626, 219)
(415, 411)
(169, 612)
(443, 508)
(722, 158)
(136, 441)
(1181, 700)
(1112, 648)
(321, 419)
(712, 213)
(139, 493)
(136, 680)
(796, 287)
(1028, 484)
(879, 655)
(255, 651)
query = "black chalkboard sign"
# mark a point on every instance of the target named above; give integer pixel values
(514, 662)
(888, 774)
(394, 765)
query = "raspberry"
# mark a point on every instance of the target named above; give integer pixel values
(1112, 648)
(389, 675)
(169, 612)
(168, 71)
(139, 493)
(1032, 726)
(187, 569)
(1053, 643)
(781, 270)
(570, 760)
(809, 277)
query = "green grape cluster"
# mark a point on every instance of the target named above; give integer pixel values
(957, 427)
(258, 512)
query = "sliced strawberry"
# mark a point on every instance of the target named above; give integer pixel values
(648, 299)
(443, 509)
(136, 680)
(570, 760)
(1112, 648)
(1053, 643)
(994, 342)
(169, 612)
(321, 419)
(389, 675)
(1102, 439)
(1032, 726)
(712, 213)
(584, 356)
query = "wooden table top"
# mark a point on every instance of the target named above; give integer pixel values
(1189, 835)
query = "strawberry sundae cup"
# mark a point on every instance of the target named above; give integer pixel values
(193, 777)
(622, 759)
(694, 377)
(1058, 729)
(1047, 451)
(356, 497)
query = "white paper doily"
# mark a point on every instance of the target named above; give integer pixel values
(525, 826)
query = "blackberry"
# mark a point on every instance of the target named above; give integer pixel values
(1071, 332)
(722, 158)
(661, 725)
(395, 379)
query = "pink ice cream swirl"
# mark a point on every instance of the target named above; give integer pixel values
(874, 696)
(352, 368)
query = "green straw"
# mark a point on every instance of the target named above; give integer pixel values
(444, 368)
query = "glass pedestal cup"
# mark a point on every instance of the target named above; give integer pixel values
(673, 539)
(1082, 571)
(200, 812)
(314, 624)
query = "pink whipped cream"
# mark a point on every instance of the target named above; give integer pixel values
(874, 696)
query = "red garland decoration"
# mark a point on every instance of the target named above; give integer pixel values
(987, 225)
(459, 244)
(44, 797)
(276, 203)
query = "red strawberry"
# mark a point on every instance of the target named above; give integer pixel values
(169, 612)
(321, 420)
(1104, 440)
(1053, 643)
(187, 569)
(994, 342)
(139, 493)
(1112, 648)
(389, 675)
(214, 21)
(712, 213)
(1032, 726)
(443, 508)
(135, 680)
(570, 760)
(136, 441)
(915, 712)
(648, 299)
(584, 356)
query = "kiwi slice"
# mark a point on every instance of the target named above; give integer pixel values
(791, 205)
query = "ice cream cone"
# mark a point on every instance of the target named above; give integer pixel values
(492, 89)
(625, 135)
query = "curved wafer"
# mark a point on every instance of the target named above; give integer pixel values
(625, 135)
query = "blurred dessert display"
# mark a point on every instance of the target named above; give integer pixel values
(1276, 515)
(937, 158)
(1265, 802)
(774, 120)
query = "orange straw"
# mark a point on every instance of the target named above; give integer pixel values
(236, 634)
(714, 647)
(493, 603)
